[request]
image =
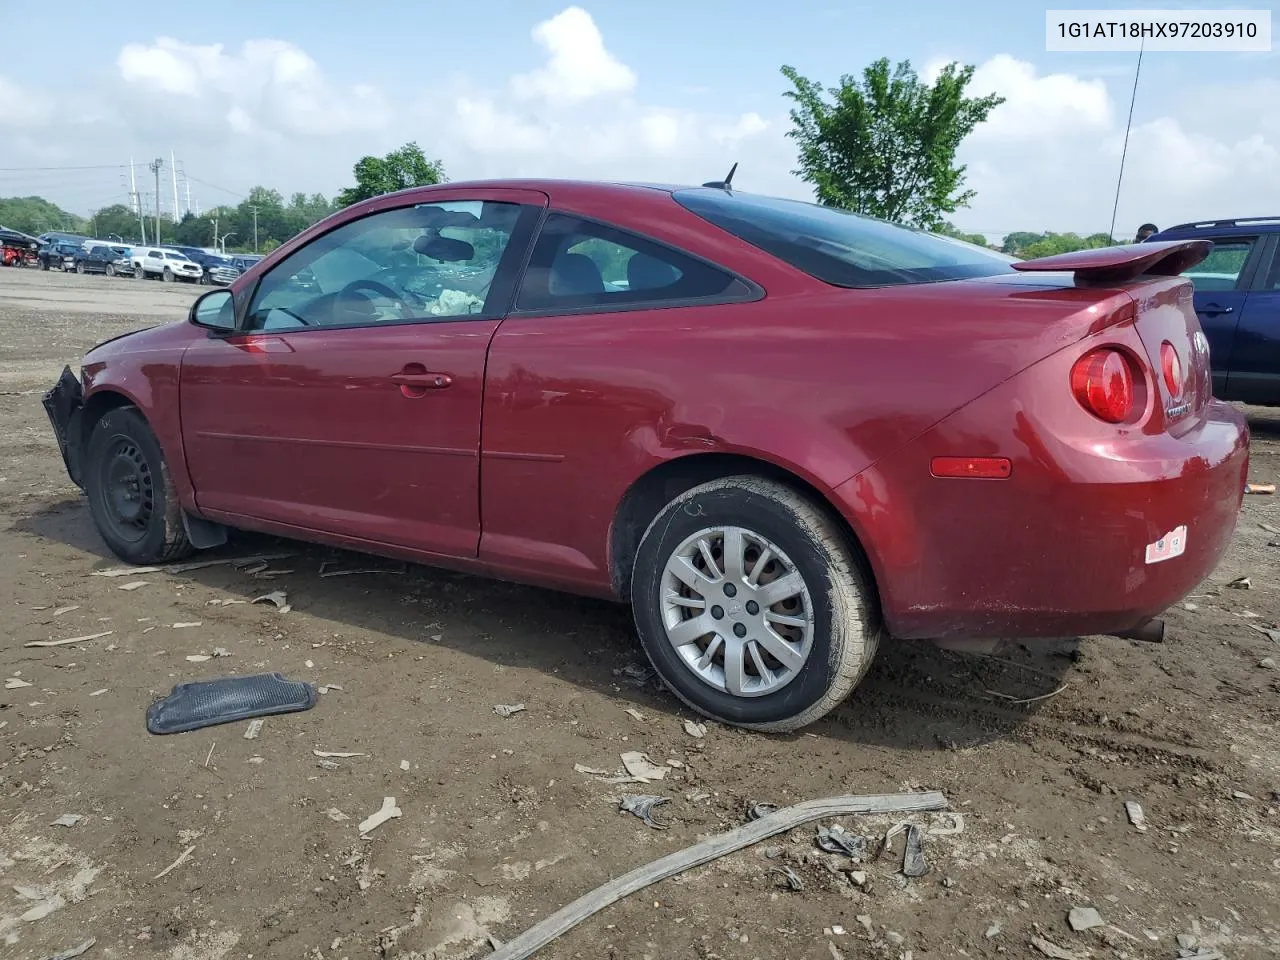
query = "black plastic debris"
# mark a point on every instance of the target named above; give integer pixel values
(837, 841)
(789, 877)
(913, 862)
(642, 806)
(207, 703)
(757, 810)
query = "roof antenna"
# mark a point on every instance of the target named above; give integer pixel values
(724, 184)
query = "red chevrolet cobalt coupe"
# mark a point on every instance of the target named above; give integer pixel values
(778, 430)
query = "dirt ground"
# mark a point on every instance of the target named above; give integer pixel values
(498, 829)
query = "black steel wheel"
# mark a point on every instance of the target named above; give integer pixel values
(131, 496)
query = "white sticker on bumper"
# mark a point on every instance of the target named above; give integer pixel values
(1172, 544)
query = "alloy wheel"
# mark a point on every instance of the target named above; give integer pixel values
(737, 611)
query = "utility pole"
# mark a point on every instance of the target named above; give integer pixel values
(137, 202)
(155, 165)
(254, 208)
(215, 231)
(173, 170)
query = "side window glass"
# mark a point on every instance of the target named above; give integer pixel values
(577, 264)
(420, 263)
(1221, 269)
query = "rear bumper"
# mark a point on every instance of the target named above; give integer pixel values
(64, 404)
(1060, 548)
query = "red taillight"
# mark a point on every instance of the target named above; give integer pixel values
(1102, 382)
(1171, 368)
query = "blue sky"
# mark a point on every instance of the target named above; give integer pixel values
(658, 90)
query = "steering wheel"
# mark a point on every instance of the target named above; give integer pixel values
(379, 288)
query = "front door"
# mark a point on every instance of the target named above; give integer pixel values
(349, 399)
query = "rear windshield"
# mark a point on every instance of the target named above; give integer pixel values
(838, 247)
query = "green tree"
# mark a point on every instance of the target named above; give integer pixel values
(885, 145)
(1051, 244)
(398, 170)
(1019, 240)
(272, 221)
(949, 229)
(35, 215)
(303, 211)
(116, 219)
(193, 231)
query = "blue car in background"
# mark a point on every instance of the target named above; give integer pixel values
(1237, 297)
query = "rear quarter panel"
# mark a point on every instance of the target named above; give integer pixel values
(818, 381)
(1057, 549)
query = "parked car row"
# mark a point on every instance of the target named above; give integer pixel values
(168, 262)
(16, 248)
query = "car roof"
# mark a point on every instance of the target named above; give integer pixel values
(1219, 228)
(562, 189)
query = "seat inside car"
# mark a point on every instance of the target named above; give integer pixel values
(649, 273)
(575, 275)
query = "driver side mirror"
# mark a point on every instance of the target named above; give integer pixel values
(215, 311)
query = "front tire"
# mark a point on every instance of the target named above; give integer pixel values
(131, 494)
(772, 638)
(110, 271)
(167, 275)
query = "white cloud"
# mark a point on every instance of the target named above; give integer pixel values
(1048, 158)
(578, 66)
(168, 65)
(1038, 106)
(20, 107)
(575, 114)
(487, 129)
(268, 85)
(266, 111)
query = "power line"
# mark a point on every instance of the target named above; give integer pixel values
(105, 166)
(205, 183)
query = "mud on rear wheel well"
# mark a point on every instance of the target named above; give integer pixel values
(653, 491)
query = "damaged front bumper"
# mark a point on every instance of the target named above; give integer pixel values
(64, 404)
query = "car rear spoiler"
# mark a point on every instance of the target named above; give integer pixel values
(1164, 258)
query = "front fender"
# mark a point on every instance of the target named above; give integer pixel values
(142, 370)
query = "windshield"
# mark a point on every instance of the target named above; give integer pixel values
(841, 248)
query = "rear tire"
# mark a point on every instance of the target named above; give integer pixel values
(131, 494)
(802, 646)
